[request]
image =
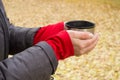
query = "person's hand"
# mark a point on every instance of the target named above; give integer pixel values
(83, 42)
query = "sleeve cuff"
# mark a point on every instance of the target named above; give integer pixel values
(50, 54)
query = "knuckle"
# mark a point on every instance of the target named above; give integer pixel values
(81, 52)
(89, 41)
(81, 46)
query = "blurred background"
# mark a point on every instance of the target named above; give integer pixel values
(103, 63)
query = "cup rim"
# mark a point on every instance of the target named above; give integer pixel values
(83, 24)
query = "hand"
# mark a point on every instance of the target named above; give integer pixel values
(83, 42)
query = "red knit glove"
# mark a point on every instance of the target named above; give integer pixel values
(61, 45)
(47, 31)
(59, 41)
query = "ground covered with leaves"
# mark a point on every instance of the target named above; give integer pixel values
(103, 63)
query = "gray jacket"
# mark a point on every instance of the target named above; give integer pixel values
(30, 62)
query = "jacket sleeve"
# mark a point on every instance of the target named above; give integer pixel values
(35, 63)
(20, 38)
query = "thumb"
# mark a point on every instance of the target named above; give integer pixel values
(81, 35)
(84, 35)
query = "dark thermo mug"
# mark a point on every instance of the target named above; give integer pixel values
(80, 25)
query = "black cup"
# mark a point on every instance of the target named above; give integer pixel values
(80, 25)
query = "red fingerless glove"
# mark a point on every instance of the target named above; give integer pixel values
(61, 45)
(60, 42)
(47, 31)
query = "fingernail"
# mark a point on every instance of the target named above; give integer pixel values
(91, 35)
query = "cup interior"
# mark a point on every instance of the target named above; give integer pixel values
(80, 24)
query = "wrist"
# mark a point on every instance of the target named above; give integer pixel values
(62, 45)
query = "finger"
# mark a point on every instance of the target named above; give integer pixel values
(84, 35)
(81, 35)
(86, 43)
(89, 48)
